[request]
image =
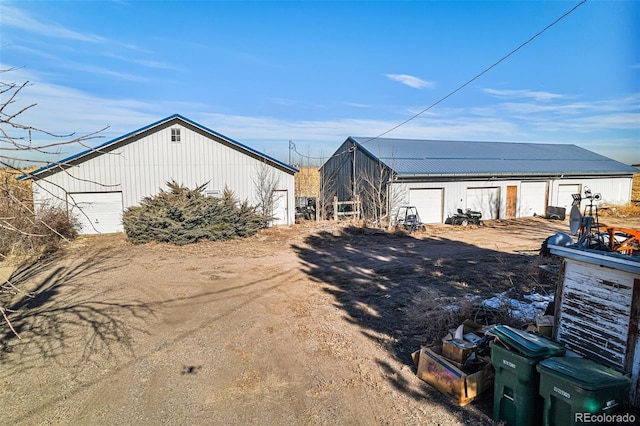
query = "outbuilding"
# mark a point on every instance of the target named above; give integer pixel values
(500, 179)
(97, 184)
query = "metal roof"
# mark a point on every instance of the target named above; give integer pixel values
(438, 157)
(76, 158)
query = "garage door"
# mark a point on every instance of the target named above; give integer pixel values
(98, 212)
(429, 204)
(564, 198)
(485, 200)
(280, 208)
(533, 199)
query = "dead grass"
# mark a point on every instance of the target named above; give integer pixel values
(430, 318)
(630, 209)
(307, 182)
(625, 210)
(21, 232)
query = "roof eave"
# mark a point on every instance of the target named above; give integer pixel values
(80, 155)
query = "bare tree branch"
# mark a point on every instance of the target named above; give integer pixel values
(24, 223)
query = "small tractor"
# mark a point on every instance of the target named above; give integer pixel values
(468, 217)
(408, 218)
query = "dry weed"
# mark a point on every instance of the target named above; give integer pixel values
(23, 231)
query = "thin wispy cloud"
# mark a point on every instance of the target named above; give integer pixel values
(357, 105)
(523, 94)
(552, 111)
(63, 109)
(411, 81)
(37, 52)
(17, 18)
(148, 63)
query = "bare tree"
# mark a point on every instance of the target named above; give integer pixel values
(373, 193)
(266, 184)
(24, 148)
(380, 194)
(328, 189)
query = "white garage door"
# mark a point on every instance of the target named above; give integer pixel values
(429, 204)
(533, 199)
(98, 212)
(564, 198)
(485, 200)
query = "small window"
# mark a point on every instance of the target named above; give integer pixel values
(175, 135)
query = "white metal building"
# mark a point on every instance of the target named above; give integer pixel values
(502, 180)
(103, 181)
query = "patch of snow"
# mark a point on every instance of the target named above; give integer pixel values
(534, 304)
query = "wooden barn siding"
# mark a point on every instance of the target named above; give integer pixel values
(594, 312)
(142, 167)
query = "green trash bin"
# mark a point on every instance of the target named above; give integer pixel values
(581, 391)
(516, 400)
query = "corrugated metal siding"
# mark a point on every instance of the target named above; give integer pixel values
(144, 166)
(594, 309)
(336, 174)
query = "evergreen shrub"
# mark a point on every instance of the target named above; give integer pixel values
(183, 216)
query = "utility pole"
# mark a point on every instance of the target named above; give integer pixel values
(353, 169)
(291, 145)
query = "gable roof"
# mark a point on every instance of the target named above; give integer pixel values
(412, 157)
(172, 119)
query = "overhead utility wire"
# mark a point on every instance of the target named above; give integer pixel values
(478, 75)
(460, 87)
(294, 148)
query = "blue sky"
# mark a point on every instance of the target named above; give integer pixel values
(264, 73)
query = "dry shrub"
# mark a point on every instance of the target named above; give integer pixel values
(624, 210)
(635, 188)
(307, 182)
(431, 318)
(21, 231)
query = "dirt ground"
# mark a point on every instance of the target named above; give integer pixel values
(312, 325)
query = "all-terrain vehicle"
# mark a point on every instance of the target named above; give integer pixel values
(467, 217)
(408, 218)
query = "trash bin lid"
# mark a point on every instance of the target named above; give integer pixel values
(527, 344)
(584, 373)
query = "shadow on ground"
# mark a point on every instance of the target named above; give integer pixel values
(400, 290)
(48, 304)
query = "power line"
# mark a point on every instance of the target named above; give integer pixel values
(477, 76)
(462, 86)
(292, 147)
